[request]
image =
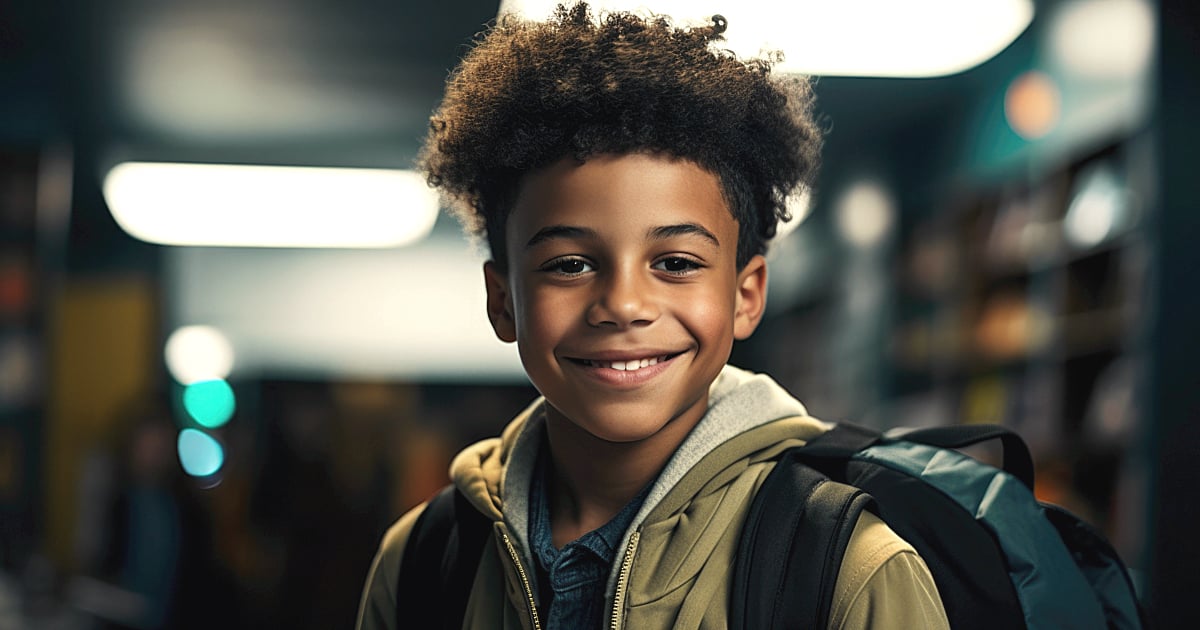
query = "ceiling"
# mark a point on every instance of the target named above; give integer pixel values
(307, 82)
(303, 81)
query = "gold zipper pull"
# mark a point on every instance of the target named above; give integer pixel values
(512, 553)
(622, 578)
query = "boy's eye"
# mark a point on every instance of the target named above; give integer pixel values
(676, 265)
(568, 266)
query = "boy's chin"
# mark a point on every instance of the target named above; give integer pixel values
(623, 435)
(626, 426)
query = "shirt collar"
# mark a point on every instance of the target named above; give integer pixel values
(603, 542)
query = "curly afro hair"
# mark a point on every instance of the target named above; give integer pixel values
(529, 94)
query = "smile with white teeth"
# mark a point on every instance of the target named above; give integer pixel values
(625, 366)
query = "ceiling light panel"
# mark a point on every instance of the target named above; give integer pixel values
(869, 38)
(270, 206)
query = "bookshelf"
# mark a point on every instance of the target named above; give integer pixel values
(1024, 302)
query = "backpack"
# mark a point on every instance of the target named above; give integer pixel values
(1000, 558)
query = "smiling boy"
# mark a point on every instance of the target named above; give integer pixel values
(627, 178)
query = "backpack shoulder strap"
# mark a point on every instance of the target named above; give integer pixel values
(439, 562)
(791, 548)
(1017, 460)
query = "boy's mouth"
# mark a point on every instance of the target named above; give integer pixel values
(629, 365)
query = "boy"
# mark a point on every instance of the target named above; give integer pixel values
(627, 178)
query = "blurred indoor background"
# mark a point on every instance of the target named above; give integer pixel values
(218, 386)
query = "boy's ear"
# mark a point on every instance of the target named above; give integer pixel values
(499, 302)
(751, 297)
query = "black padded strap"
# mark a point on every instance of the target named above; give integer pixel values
(846, 439)
(791, 548)
(439, 562)
(1017, 460)
(841, 442)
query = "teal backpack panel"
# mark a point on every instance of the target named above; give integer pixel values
(1053, 591)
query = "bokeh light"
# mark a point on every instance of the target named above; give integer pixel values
(1032, 105)
(210, 403)
(864, 213)
(1104, 39)
(19, 370)
(198, 353)
(1099, 208)
(200, 454)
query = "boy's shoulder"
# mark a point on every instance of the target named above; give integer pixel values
(883, 572)
(377, 607)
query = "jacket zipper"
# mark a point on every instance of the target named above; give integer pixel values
(622, 578)
(512, 553)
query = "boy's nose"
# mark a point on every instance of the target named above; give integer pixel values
(623, 301)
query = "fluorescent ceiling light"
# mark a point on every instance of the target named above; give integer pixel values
(874, 38)
(269, 206)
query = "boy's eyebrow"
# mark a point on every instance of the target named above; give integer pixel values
(682, 229)
(559, 231)
(657, 233)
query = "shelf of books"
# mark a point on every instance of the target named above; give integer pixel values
(1025, 303)
(22, 381)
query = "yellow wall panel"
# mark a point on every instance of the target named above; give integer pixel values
(103, 355)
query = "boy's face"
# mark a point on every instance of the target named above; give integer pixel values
(623, 293)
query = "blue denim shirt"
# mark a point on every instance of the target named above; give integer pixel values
(571, 580)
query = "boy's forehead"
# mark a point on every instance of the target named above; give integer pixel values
(612, 186)
(598, 178)
(633, 178)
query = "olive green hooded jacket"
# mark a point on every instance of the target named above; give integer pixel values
(676, 568)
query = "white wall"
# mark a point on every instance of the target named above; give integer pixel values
(412, 313)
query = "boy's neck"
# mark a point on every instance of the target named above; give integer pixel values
(593, 479)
